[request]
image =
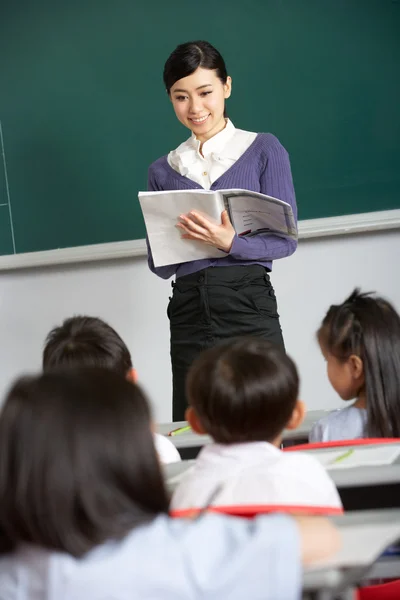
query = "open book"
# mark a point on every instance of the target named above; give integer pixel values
(250, 214)
(343, 458)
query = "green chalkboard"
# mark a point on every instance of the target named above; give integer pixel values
(83, 110)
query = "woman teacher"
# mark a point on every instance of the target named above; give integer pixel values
(215, 299)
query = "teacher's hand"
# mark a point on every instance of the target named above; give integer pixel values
(197, 227)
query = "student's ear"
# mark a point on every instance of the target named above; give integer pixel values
(228, 87)
(194, 422)
(298, 414)
(356, 367)
(132, 375)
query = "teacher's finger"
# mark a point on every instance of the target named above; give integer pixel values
(191, 226)
(201, 219)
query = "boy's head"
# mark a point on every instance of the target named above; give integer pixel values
(83, 341)
(242, 391)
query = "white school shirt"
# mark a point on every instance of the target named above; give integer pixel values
(167, 453)
(343, 424)
(212, 558)
(219, 153)
(255, 473)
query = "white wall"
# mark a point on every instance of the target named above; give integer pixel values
(133, 300)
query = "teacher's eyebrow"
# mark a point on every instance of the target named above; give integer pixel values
(198, 88)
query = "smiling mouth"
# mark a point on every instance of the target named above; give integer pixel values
(199, 121)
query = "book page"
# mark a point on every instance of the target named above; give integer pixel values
(253, 213)
(161, 212)
(346, 458)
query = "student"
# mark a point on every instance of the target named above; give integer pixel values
(83, 509)
(88, 341)
(244, 393)
(217, 299)
(360, 340)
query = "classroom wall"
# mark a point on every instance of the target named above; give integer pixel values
(133, 300)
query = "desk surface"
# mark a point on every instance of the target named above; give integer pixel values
(363, 475)
(343, 478)
(347, 569)
(189, 439)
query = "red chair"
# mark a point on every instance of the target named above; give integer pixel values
(251, 511)
(339, 443)
(383, 591)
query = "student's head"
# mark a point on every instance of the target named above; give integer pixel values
(244, 390)
(77, 461)
(360, 340)
(197, 83)
(83, 341)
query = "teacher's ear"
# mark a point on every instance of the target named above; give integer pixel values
(227, 87)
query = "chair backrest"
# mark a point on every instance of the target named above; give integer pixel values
(383, 591)
(340, 443)
(251, 511)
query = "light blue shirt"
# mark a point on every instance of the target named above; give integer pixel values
(212, 558)
(344, 424)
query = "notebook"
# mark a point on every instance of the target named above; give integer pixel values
(358, 457)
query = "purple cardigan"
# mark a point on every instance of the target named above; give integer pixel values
(264, 167)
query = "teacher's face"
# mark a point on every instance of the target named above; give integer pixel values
(199, 102)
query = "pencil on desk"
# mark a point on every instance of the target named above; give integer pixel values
(180, 430)
(342, 456)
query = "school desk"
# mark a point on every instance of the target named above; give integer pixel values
(360, 488)
(367, 487)
(366, 535)
(189, 443)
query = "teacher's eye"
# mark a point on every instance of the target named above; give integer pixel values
(205, 93)
(180, 98)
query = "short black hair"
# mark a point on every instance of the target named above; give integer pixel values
(188, 57)
(369, 327)
(77, 461)
(243, 390)
(86, 341)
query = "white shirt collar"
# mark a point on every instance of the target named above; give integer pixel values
(244, 452)
(217, 143)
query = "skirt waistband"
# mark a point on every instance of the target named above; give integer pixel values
(231, 275)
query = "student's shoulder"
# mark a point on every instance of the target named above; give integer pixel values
(236, 555)
(166, 449)
(330, 427)
(301, 463)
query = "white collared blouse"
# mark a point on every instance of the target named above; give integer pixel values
(218, 154)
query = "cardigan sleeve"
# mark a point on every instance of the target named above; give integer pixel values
(168, 270)
(276, 180)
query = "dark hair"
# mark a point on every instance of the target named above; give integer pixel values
(243, 390)
(77, 461)
(369, 328)
(188, 57)
(83, 341)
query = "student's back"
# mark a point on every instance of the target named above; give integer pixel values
(256, 474)
(166, 560)
(83, 508)
(244, 393)
(360, 340)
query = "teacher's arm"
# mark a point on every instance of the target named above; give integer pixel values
(276, 180)
(168, 270)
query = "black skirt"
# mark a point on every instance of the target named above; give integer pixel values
(216, 304)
